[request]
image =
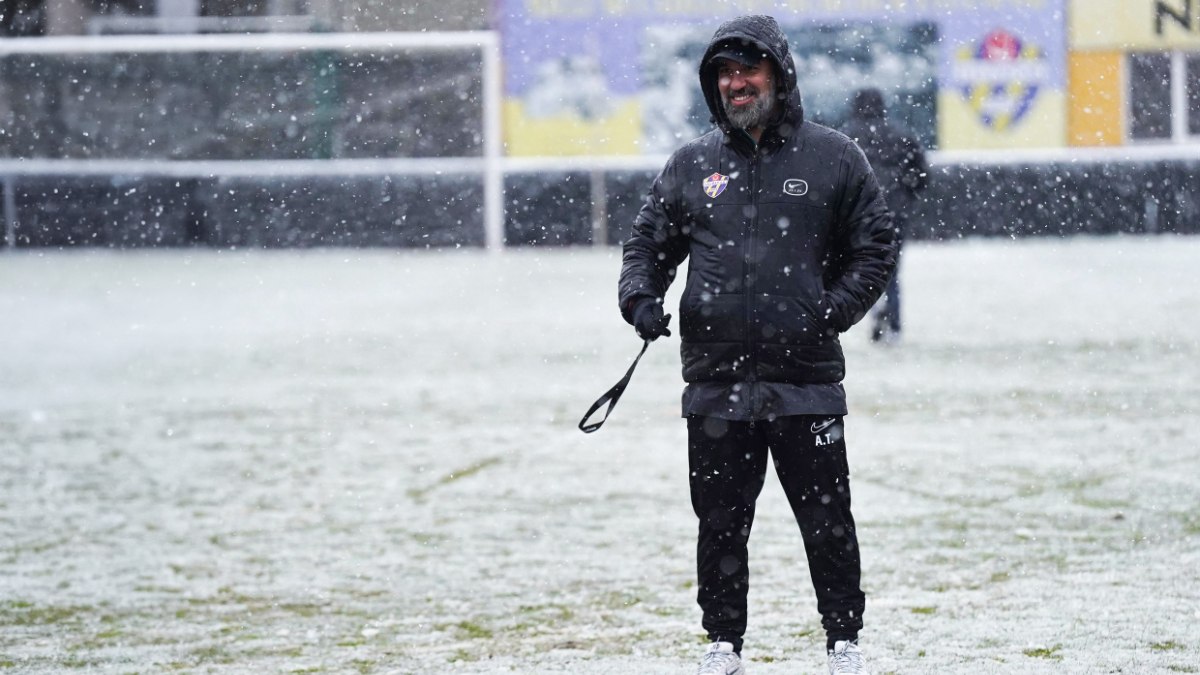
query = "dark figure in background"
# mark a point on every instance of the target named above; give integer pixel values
(790, 241)
(899, 164)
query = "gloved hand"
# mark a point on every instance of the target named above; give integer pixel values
(649, 320)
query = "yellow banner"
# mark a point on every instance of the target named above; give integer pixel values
(961, 127)
(1127, 25)
(565, 133)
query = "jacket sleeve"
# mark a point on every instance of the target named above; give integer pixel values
(657, 247)
(862, 254)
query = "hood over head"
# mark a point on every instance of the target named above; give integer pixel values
(868, 104)
(747, 39)
(744, 53)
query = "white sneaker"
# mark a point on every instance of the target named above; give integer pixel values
(720, 659)
(847, 659)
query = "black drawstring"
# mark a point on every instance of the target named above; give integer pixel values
(611, 396)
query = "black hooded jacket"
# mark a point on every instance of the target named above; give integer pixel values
(896, 157)
(790, 243)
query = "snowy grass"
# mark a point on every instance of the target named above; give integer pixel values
(367, 461)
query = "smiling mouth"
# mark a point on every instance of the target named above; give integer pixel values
(744, 97)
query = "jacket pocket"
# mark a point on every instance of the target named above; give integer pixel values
(707, 317)
(783, 320)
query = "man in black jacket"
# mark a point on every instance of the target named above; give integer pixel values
(790, 243)
(898, 160)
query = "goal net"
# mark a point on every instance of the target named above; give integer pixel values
(287, 139)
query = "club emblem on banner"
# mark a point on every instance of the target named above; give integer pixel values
(715, 184)
(1000, 76)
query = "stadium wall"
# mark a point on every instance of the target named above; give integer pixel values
(1009, 199)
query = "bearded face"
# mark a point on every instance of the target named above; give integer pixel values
(747, 93)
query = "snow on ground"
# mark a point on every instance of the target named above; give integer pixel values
(367, 461)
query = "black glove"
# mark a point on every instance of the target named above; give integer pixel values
(649, 320)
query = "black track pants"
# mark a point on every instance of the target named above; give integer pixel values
(728, 466)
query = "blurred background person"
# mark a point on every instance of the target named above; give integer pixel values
(898, 160)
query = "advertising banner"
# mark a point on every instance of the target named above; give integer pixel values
(1130, 25)
(1003, 78)
(620, 76)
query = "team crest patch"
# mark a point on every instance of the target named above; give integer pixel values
(715, 184)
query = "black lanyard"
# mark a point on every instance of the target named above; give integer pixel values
(611, 396)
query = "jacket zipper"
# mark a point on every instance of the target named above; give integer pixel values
(751, 282)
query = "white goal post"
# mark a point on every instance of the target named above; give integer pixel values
(489, 165)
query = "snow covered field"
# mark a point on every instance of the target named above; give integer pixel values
(367, 461)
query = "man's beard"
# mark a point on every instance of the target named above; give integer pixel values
(753, 115)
